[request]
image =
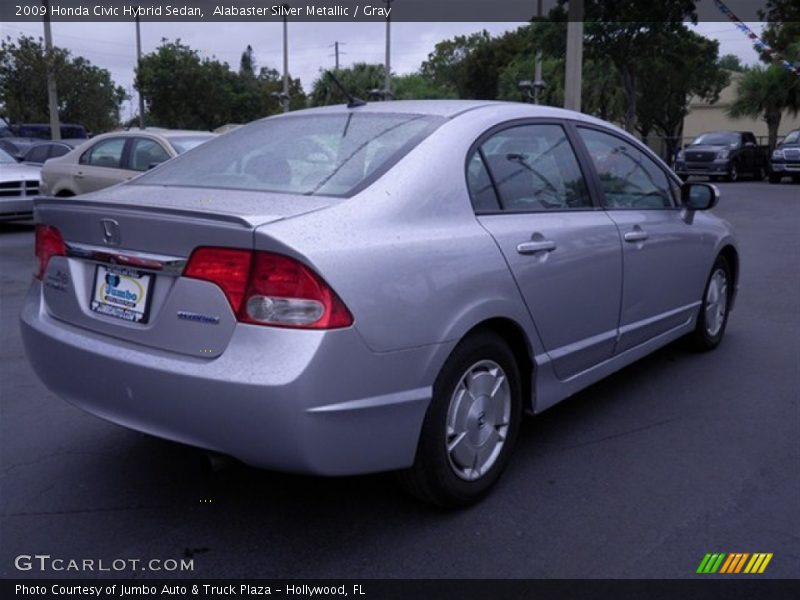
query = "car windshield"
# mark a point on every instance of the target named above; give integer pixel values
(718, 138)
(186, 142)
(792, 138)
(6, 158)
(321, 154)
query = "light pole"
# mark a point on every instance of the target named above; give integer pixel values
(52, 95)
(139, 71)
(538, 83)
(574, 70)
(285, 93)
(387, 82)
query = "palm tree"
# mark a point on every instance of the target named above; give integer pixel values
(767, 92)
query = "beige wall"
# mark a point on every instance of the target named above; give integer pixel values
(710, 117)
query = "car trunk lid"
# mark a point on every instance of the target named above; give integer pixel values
(126, 251)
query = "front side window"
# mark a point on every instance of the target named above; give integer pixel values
(533, 168)
(146, 153)
(629, 178)
(322, 154)
(107, 153)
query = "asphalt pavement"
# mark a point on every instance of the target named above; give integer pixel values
(641, 475)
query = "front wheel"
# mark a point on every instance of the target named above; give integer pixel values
(733, 174)
(471, 424)
(713, 317)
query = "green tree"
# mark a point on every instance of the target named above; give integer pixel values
(415, 86)
(182, 90)
(731, 62)
(624, 33)
(767, 92)
(685, 65)
(446, 66)
(357, 79)
(86, 93)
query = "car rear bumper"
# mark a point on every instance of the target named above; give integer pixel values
(16, 208)
(290, 400)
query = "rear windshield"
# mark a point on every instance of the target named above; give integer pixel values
(184, 143)
(323, 154)
(719, 138)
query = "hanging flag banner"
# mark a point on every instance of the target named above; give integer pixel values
(760, 44)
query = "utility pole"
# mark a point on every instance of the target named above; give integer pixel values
(336, 52)
(52, 95)
(538, 83)
(139, 71)
(574, 69)
(387, 83)
(285, 97)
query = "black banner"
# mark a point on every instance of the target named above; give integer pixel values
(729, 588)
(334, 10)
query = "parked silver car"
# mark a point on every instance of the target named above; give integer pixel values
(114, 157)
(388, 287)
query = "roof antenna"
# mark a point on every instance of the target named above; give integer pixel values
(353, 101)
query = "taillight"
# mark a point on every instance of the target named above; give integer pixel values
(49, 243)
(270, 289)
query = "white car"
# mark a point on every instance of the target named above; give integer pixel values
(18, 185)
(115, 157)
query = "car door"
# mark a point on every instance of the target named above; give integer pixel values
(530, 194)
(101, 165)
(663, 280)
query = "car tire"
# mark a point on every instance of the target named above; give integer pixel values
(774, 178)
(733, 174)
(471, 424)
(715, 308)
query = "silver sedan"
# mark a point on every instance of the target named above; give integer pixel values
(385, 287)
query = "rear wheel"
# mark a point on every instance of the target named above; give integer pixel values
(758, 174)
(471, 424)
(713, 317)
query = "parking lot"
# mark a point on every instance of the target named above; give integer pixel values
(640, 475)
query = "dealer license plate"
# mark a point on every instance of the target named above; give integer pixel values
(122, 293)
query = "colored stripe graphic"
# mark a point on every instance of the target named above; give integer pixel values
(734, 563)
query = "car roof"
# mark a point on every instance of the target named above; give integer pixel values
(450, 109)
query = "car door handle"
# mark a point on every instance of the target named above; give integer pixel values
(534, 247)
(637, 235)
(79, 175)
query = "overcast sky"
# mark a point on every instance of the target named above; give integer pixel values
(112, 46)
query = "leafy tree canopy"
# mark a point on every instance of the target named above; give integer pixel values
(86, 93)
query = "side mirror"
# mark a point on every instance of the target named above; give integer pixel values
(699, 196)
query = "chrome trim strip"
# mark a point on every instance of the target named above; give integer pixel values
(159, 263)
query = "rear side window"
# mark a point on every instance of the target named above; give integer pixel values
(533, 169)
(57, 150)
(107, 153)
(629, 178)
(324, 154)
(37, 154)
(146, 153)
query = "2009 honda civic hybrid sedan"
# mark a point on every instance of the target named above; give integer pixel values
(385, 287)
